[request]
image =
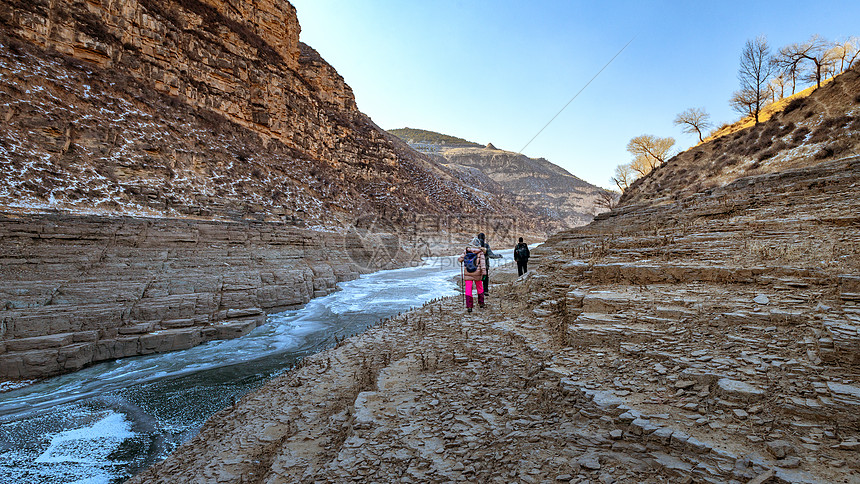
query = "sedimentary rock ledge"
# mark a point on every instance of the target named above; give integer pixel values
(79, 289)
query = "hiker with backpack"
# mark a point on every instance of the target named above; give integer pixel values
(480, 241)
(521, 255)
(473, 270)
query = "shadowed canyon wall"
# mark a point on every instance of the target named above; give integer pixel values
(76, 290)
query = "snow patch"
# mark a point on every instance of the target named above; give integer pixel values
(88, 445)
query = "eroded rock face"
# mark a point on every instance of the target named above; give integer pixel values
(194, 108)
(533, 182)
(77, 290)
(239, 59)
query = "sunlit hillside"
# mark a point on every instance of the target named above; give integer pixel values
(813, 126)
(766, 113)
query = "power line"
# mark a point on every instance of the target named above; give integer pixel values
(575, 96)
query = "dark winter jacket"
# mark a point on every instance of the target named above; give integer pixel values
(525, 256)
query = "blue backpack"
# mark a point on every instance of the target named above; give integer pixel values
(470, 261)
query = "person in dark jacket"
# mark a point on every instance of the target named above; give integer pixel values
(480, 241)
(521, 255)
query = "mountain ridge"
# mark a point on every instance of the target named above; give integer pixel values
(532, 182)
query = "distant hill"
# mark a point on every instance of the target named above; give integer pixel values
(420, 136)
(532, 183)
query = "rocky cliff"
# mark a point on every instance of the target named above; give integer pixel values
(195, 108)
(532, 183)
(82, 289)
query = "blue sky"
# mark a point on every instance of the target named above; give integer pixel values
(498, 71)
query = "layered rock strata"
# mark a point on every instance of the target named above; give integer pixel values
(560, 198)
(534, 182)
(77, 290)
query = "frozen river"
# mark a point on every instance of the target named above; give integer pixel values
(105, 423)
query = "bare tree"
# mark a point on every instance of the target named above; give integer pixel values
(694, 120)
(744, 102)
(813, 51)
(845, 52)
(607, 199)
(853, 51)
(757, 67)
(790, 71)
(624, 176)
(649, 152)
(777, 84)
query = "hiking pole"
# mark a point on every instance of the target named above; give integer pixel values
(463, 282)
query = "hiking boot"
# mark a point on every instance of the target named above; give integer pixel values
(468, 310)
(482, 305)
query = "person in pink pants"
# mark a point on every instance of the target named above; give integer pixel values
(474, 270)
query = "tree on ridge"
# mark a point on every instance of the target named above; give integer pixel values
(777, 85)
(757, 67)
(744, 102)
(694, 120)
(607, 199)
(846, 52)
(814, 50)
(624, 176)
(649, 152)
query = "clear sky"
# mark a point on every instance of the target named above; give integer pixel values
(498, 71)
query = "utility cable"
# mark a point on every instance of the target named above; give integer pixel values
(575, 96)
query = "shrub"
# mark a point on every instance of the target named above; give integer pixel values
(794, 105)
(832, 150)
(800, 135)
(825, 152)
(821, 133)
(836, 121)
(771, 130)
(786, 129)
(766, 155)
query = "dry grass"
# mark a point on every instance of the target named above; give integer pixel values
(820, 253)
(786, 104)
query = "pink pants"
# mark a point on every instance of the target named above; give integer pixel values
(480, 287)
